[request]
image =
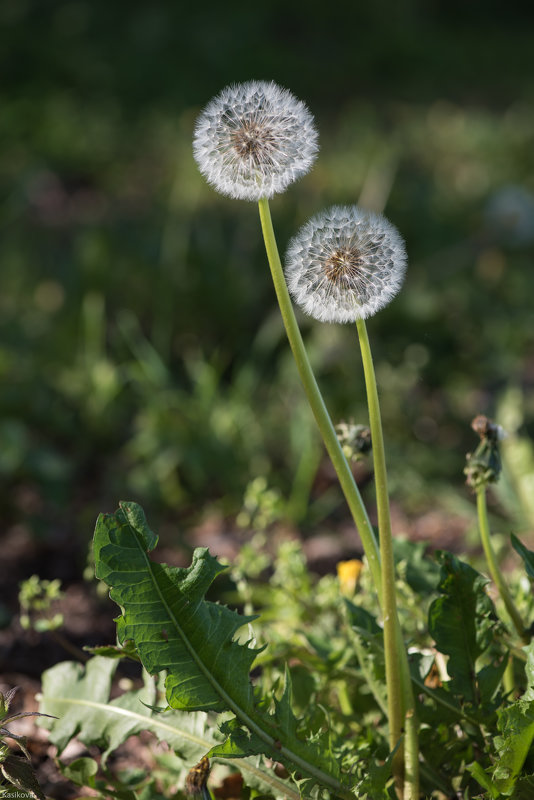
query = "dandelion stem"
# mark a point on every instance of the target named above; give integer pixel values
(493, 567)
(316, 401)
(401, 705)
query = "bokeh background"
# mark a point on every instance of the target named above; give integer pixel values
(141, 351)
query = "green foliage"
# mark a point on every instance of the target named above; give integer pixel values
(102, 200)
(36, 599)
(15, 770)
(464, 625)
(526, 554)
(175, 629)
(80, 697)
(329, 648)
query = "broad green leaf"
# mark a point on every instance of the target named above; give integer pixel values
(176, 630)
(524, 788)
(81, 771)
(80, 697)
(78, 694)
(489, 680)
(462, 623)
(526, 554)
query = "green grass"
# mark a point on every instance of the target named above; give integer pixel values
(141, 351)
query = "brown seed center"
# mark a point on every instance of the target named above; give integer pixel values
(252, 141)
(343, 266)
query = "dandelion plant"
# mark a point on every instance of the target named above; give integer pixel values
(251, 142)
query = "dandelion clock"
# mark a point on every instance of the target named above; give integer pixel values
(253, 140)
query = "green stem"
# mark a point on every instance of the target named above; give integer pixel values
(508, 677)
(316, 401)
(401, 704)
(493, 567)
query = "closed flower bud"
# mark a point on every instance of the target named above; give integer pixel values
(484, 465)
(345, 264)
(253, 140)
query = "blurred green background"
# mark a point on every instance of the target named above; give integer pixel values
(141, 352)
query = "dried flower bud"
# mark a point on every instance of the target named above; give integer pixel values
(345, 264)
(253, 140)
(197, 778)
(484, 465)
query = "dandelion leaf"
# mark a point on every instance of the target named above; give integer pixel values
(516, 724)
(526, 554)
(516, 728)
(462, 622)
(79, 696)
(176, 631)
(165, 614)
(18, 771)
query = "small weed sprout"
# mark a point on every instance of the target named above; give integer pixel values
(36, 599)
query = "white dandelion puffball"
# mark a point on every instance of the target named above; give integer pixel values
(253, 140)
(345, 264)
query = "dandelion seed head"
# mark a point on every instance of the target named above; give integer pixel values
(253, 140)
(345, 264)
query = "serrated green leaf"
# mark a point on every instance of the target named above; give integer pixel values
(375, 784)
(516, 724)
(461, 622)
(165, 614)
(480, 775)
(175, 629)
(80, 696)
(529, 672)
(19, 772)
(526, 554)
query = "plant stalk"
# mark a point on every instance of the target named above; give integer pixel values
(401, 704)
(495, 572)
(316, 401)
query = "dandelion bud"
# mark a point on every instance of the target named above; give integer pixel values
(253, 140)
(197, 778)
(484, 465)
(345, 264)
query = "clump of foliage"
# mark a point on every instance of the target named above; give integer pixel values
(16, 771)
(304, 687)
